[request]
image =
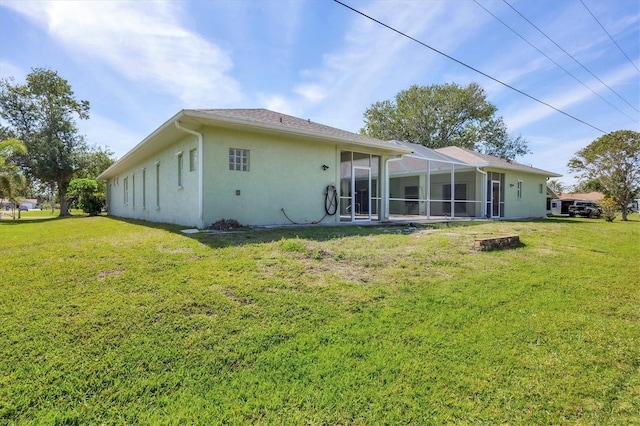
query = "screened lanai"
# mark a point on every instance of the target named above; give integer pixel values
(430, 185)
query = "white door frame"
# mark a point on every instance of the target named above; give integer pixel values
(354, 205)
(493, 183)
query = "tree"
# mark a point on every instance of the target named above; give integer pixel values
(443, 115)
(612, 163)
(42, 113)
(556, 186)
(11, 179)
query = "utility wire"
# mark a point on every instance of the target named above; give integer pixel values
(557, 64)
(607, 32)
(569, 55)
(468, 66)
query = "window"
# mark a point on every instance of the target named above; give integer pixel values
(144, 189)
(180, 168)
(239, 159)
(157, 185)
(540, 188)
(125, 182)
(193, 160)
(519, 190)
(133, 191)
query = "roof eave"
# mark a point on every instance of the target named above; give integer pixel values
(203, 118)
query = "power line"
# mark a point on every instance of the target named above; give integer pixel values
(557, 64)
(468, 66)
(569, 55)
(607, 32)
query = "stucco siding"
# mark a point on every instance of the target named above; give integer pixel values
(140, 193)
(284, 173)
(533, 198)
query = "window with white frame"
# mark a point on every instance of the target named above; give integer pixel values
(144, 189)
(125, 183)
(157, 185)
(519, 190)
(180, 168)
(193, 160)
(239, 159)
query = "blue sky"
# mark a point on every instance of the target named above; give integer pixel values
(140, 62)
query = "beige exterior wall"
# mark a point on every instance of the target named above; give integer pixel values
(533, 200)
(176, 204)
(284, 173)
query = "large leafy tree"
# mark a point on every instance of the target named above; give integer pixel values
(443, 115)
(612, 164)
(11, 178)
(42, 113)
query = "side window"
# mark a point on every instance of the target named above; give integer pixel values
(125, 183)
(239, 159)
(193, 160)
(180, 169)
(519, 190)
(157, 185)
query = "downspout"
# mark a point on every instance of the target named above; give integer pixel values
(483, 208)
(385, 213)
(200, 170)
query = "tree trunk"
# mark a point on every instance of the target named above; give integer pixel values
(64, 205)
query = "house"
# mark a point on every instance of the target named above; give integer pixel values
(29, 203)
(256, 166)
(455, 182)
(261, 167)
(560, 205)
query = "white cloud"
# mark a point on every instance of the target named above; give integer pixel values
(566, 100)
(373, 62)
(312, 92)
(144, 41)
(10, 70)
(278, 103)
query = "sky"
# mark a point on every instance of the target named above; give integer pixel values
(140, 62)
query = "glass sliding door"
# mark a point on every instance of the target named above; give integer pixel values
(359, 197)
(361, 193)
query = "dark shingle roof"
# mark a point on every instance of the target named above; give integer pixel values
(270, 118)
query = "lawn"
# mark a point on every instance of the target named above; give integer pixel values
(104, 321)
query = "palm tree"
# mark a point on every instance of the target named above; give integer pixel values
(11, 179)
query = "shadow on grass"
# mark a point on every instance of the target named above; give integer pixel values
(39, 219)
(259, 235)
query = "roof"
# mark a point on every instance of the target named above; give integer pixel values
(484, 160)
(417, 161)
(253, 120)
(591, 196)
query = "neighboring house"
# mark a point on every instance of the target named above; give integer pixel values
(589, 196)
(260, 167)
(560, 205)
(256, 166)
(30, 203)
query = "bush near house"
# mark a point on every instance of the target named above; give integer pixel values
(120, 322)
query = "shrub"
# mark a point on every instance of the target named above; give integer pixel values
(84, 193)
(609, 209)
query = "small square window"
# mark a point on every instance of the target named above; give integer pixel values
(239, 159)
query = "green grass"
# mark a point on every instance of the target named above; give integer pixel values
(105, 321)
